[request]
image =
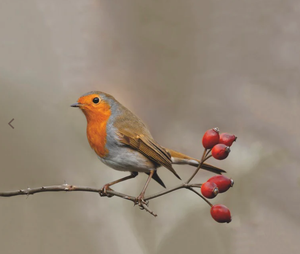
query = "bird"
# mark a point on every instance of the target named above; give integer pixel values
(123, 142)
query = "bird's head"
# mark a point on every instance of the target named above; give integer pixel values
(95, 105)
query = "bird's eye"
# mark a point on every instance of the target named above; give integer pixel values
(96, 100)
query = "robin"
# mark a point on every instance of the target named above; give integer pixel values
(123, 142)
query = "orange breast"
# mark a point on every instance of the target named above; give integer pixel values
(96, 131)
(96, 135)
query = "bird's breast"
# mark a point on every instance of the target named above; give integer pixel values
(97, 137)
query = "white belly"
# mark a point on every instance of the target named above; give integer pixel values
(126, 159)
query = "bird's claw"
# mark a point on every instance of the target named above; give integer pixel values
(103, 191)
(141, 202)
(143, 205)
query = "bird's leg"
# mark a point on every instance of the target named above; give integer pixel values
(103, 191)
(140, 199)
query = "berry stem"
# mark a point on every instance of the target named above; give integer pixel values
(203, 159)
(191, 189)
(208, 151)
(206, 158)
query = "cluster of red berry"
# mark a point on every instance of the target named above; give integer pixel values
(218, 145)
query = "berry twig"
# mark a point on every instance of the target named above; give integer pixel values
(203, 159)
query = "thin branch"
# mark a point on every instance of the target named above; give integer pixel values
(53, 188)
(191, 189)
(203, 159)
(181, 186)
(68, 188)
(63, 187)
(109, 193)
(143, 204)
(165, 192)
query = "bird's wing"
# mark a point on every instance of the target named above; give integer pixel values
(148, 147)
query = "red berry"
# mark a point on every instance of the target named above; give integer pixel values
(220, 151)
(220, 213)
(227, 139)
(223, 183)
(210, 138)
(209, 189)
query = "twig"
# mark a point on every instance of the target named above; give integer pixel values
(62, 187)
(69, 188)
(191, 189)
(181, 186)
(110, 193)
(203, 159)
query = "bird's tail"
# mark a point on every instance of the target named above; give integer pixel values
(179, 158)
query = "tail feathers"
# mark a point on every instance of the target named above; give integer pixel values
(210, 168)
(179, 158)
(157, 179)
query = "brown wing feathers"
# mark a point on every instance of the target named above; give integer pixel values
(135, 134)
(150, 149)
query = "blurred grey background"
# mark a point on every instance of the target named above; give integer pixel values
(183, 67)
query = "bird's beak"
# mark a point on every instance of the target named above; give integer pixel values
(76, 104)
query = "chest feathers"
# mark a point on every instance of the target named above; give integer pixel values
(96, 134)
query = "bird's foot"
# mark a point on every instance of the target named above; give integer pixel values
(103, 191)
(143, 205)
(141, 202)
